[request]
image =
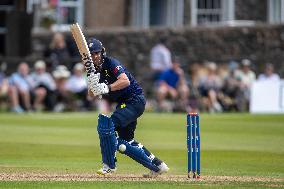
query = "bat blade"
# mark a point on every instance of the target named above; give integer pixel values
(83, 48)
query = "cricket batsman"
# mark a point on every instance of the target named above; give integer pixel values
(116, 84)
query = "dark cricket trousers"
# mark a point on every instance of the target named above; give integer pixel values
(125, 116)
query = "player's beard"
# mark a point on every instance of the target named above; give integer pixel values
(98, 63)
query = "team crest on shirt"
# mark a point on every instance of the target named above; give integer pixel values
(116, 69)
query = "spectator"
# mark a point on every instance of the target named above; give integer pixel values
(161, 59)
(43, 87)
(195, 71)
(245, 78)
(3, 87)
(20, 89)
(58, 51)
(61, 74)
(172, 84)
(72, 48)
(230, 88)
(269, 74)
(209, 86)
(77, 85)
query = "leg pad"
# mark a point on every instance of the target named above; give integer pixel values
(136, 153)
(108, 141)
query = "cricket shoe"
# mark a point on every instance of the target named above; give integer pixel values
(105, 170)
(163, 168)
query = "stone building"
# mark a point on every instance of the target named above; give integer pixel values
(101, 14)
(197, 30)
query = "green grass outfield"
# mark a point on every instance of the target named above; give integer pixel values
(237, 150)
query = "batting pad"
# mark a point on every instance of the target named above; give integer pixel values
(108, 141)
(136, 154)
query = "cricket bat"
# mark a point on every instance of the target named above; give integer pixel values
(83, 48)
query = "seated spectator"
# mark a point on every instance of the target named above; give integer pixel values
(77, 86)
(160, 59)
(3, 87)
(269, 74)
(57, 51)
(195, 71)
(43, 87)
(62, 95)
(20, 89)
(230, 88)
(245, 78)
(209, 86)
(172, 84)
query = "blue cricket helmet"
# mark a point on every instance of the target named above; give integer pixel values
(95, 45)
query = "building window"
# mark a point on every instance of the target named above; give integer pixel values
(175, 13)
(276, 11)
(204, 12)
(140, 13)
(209, 11)
(56, 14)
(147, 13)
(158, 11)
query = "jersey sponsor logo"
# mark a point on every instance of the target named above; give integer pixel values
(106, 73)
(116, 69)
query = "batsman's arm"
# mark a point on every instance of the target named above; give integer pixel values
(121, 82)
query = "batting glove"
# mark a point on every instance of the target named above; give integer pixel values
(93, 81)
(101, 88)
(93, 78)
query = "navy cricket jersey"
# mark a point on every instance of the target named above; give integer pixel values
(111, 69)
